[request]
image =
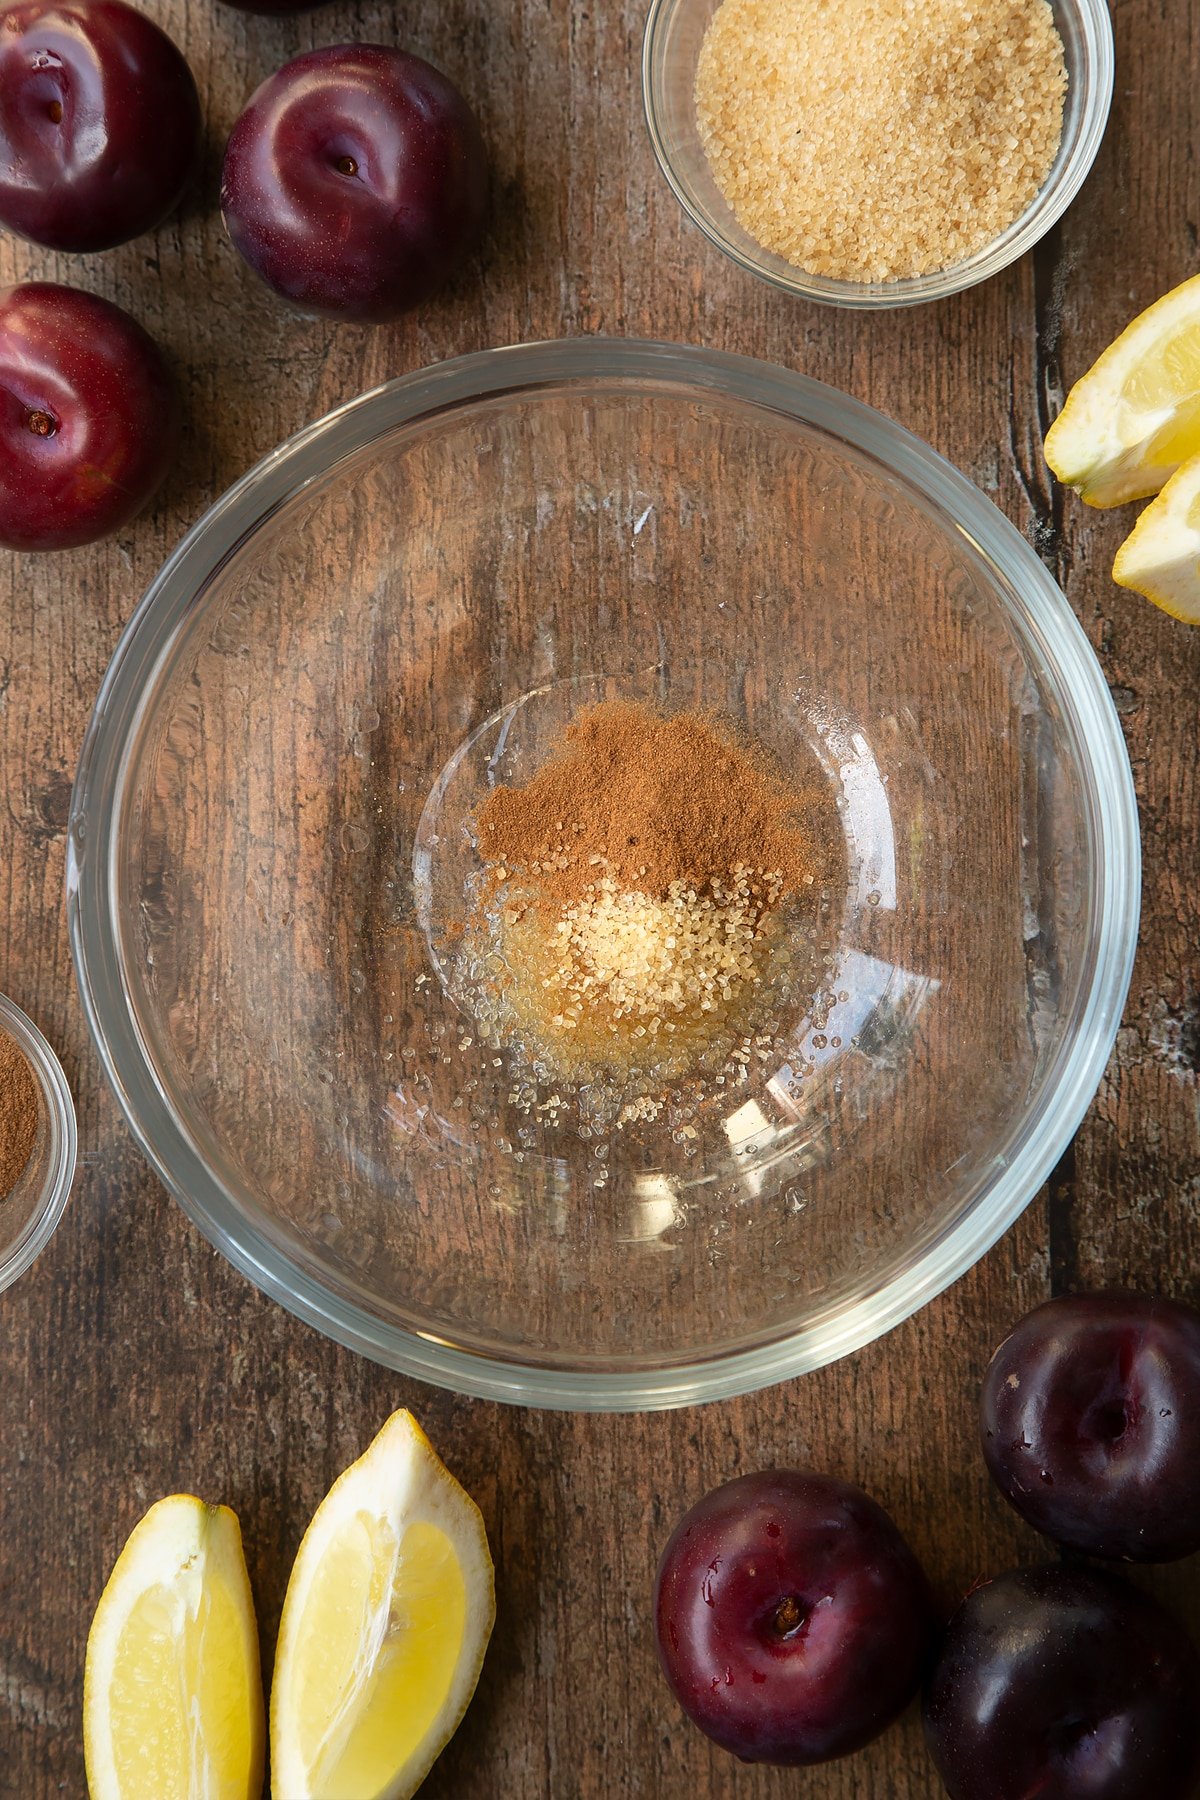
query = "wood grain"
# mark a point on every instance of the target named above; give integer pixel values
(134, 1361)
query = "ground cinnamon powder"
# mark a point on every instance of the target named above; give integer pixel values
(19, 1112)
(648, 801)
(650, 908)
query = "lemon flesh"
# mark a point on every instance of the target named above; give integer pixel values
(172, 1692)
(1134, 418)
(386, 1620)
(365, 1703)
(1161, 556)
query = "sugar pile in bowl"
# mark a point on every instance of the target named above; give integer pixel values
(880, 139)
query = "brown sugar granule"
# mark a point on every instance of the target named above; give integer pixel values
(19, 1113)
(646, 801)
(870, 140)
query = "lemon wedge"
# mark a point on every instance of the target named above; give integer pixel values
(386, 1619)
(1161, 556)
(1134, 417)
(172, 1696)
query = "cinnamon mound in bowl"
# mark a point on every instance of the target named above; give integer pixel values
(655, 801)
(645, 893)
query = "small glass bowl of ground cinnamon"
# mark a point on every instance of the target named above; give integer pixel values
(37, 1142)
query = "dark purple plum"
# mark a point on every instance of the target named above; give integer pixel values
(99, 123)
(1090, 1419)
(89, 418)
(1064, 1684)
(793, 1620)
(355, 182)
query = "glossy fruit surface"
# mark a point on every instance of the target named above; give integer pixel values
(793, 1620)
(355, 182)
(89, 417)
(1064, 1684)
(99, 123)
(1090, 1420)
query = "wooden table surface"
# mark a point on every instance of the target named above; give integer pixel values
(134, 1361)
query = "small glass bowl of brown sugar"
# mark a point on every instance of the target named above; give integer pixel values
(37, 1142)
(880, 154)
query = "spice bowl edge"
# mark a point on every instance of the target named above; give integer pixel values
(40, 1195)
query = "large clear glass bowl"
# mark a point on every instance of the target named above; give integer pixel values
(670, 51)
(269, 832)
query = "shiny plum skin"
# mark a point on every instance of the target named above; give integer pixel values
(99, 123)
(355, 182)
(793, 1621)
(1090, 1422)
(1067, 1684)
(89, 417)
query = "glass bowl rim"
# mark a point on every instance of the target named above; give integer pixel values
(43, 1220)
(124, 702)
(1044, 210)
